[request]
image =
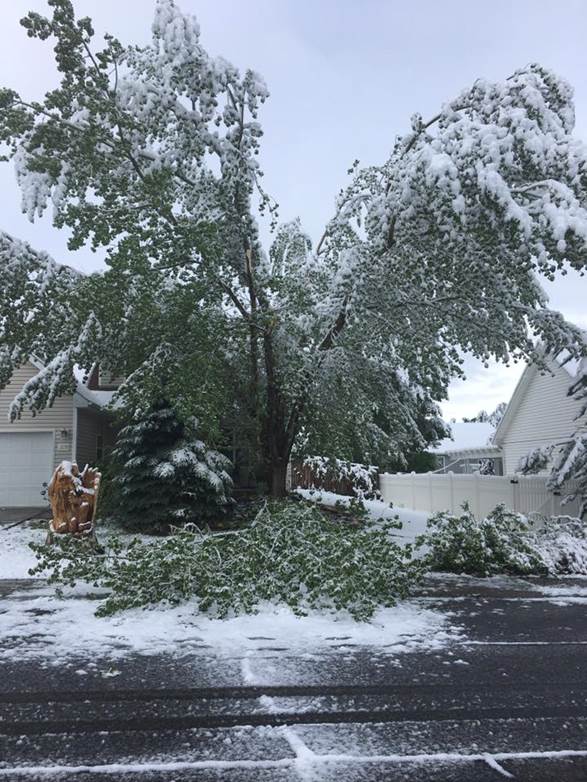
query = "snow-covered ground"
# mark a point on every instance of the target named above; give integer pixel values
(413, 521)
(15, 555)
(39, 624)
(42, 625)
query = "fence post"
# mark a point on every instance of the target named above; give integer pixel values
(515, 495)
(452, 492)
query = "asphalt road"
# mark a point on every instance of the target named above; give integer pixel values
(509, 700)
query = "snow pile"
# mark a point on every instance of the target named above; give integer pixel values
(413, 521)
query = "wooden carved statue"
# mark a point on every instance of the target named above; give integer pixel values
(73, 496)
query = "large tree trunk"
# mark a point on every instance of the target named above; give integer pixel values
(278, 478)
(276, 453)
(277, 440)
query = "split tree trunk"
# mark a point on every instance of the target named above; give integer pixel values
(73, 496)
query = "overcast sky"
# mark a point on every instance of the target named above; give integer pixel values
(345, 77)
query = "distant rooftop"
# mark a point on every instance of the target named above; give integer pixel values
(466, 436)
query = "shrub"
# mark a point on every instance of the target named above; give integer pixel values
(500, 543)
(291, 553)
(562, 543)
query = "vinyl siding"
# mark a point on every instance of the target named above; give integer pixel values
(89, 425)
(58, 418)
(545, 416)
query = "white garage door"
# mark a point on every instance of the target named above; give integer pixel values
(26, 460)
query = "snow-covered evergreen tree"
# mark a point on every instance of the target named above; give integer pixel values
(151, 153)
(163, 474)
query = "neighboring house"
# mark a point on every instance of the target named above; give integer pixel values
(75, 428)
(540, 412)
(470, 444)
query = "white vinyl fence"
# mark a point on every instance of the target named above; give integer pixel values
(433, 492)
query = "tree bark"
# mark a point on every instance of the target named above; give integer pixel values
(276, 453)
(278, 478)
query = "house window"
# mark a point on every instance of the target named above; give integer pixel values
(99, 447)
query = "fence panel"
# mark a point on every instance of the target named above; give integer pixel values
(433, 492)
(305, 477)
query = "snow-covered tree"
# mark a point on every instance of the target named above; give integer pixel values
(151, 153)
(486, 467)
(535, 460)
(492, 418)
(570, 463)
(164, 474)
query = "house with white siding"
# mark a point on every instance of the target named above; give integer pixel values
(539, 415)
(540, 412)
(77, 427)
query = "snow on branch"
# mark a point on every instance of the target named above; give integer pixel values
(57, 377)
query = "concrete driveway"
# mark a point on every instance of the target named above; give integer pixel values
(13, 515)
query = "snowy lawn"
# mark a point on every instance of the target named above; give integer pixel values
(413, 521)
(15, 555)
(16, 558)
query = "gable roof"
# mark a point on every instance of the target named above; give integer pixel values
(573, 368)
(466, 436)
(90, 395)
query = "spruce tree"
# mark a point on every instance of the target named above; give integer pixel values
(164, 475)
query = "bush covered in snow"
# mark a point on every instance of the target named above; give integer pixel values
(562, 543)
(504, 542)
(497, 544)
(162, 473)
(290, 553)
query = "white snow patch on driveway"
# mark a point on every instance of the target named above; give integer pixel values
(577, 591)
(42, 625)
